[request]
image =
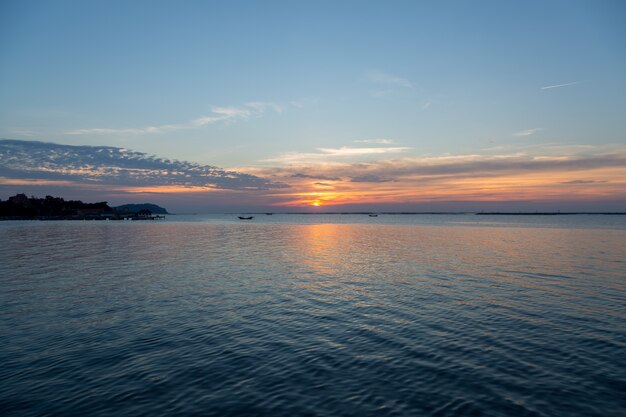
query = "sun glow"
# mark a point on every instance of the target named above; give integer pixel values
(316, 203)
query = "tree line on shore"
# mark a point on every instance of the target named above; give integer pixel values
(20, 206)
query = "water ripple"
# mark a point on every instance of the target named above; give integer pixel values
(320, 319)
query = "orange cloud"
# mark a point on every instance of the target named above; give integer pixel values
(513, 177)
(580, 173)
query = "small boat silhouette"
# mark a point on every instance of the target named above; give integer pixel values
(246, 218)
(373, 215)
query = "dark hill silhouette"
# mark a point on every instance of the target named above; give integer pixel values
(136, 208)
(21, 206)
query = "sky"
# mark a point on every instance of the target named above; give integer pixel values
(325, 105)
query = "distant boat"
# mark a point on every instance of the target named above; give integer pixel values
(269, 214)
(373, 215)
(246, 218)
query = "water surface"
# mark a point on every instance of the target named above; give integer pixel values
(305, 316)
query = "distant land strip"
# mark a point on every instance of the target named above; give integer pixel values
(451, 213)
(549, 214)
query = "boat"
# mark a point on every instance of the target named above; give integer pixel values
(268, 214)
(246, 218)
(373, 215)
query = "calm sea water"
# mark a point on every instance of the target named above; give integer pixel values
(292, 315)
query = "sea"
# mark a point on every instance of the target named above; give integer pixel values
(314, 315)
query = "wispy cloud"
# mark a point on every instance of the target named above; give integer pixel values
(315, 177)
(370, 178)
(227, 114)
(325, 153)
(547, 87)
(378, 141)
(21, 132)
(348, 151)
(104, 165)
(386, 84)
(583, 182)
(380, 77)
(528, 132)
(381, 93)
(304, 102)
(124, 131)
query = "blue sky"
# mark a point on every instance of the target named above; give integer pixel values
(250, 85)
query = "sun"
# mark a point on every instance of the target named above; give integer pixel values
(316, 203)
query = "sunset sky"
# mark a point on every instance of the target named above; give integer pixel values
(294, 105)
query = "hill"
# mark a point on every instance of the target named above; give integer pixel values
(135, 208)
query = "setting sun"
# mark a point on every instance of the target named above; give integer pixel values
(316, 203)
